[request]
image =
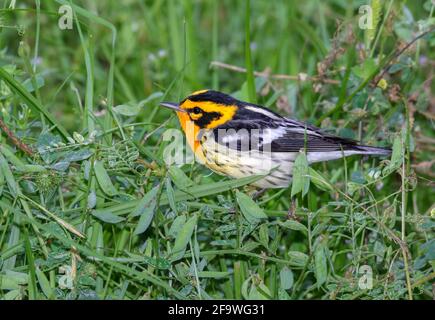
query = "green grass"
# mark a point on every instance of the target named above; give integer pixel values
(95, 213)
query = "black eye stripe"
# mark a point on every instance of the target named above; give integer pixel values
(207, 118)
(195, 110)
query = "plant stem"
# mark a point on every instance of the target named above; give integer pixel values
(248, 59)
(15, 140)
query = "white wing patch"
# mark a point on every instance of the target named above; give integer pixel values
(330, 155)
(272, 134)
(264, 112)
(300, 128)
(267, 135)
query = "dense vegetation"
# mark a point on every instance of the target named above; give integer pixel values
(90, 210)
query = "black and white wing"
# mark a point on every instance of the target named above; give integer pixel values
(285, 135)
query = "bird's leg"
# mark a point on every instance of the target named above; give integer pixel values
(254, 192)
(291, 213)
(257, 194)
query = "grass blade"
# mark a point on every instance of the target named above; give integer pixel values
(183, 239)
(30, 100)
(103, 179)
(248, 59)
(250, 210)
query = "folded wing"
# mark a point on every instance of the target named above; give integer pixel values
(279, 136)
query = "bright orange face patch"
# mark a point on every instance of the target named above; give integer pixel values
(190, 129)
(224, 112)
(202, 115)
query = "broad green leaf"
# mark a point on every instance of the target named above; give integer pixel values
(151, 97)
(228, 243)
(2, 182)
(47, 140)
(158, 263)
(181, 180)
(176, 226)
(396, 67)
(397, 153)
(8, 282)
(283, 295)
(92, 200)
(10, 181)
(249, 246)
(379, 249)
(60, 166)
(11, 156)
(358, 177)
(195, 192)
(11, 280)
(13, 294)
(127, 109)
(145, 203)
(183, 239)
(107, 216)
(212, 188)
(214, 274)
(44, 283)
(139, 276)
(30, 100)
(144, 223)
(301, 179)
(259, 292)
(146, 209)
(245, 287)
(31, 287)
(170, 194)
(78, 137)
(264, 235)
(365, 69)
(297, 258)
(104, 179)
(28, 83)
(78, 155)
(319, 181)
(31, 168)
(320, 264)
(286, 278)
(250, 210)
(294, 225)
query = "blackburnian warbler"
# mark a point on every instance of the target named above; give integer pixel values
(239, 139)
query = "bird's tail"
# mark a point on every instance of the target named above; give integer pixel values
(376, 151)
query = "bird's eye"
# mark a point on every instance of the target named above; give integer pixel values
(196, 110)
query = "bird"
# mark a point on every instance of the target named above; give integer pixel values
(239, 139)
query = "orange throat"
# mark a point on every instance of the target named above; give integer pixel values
(190, 130)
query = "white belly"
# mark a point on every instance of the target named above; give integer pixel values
(238, 164)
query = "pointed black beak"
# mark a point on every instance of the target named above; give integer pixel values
(172, 105)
